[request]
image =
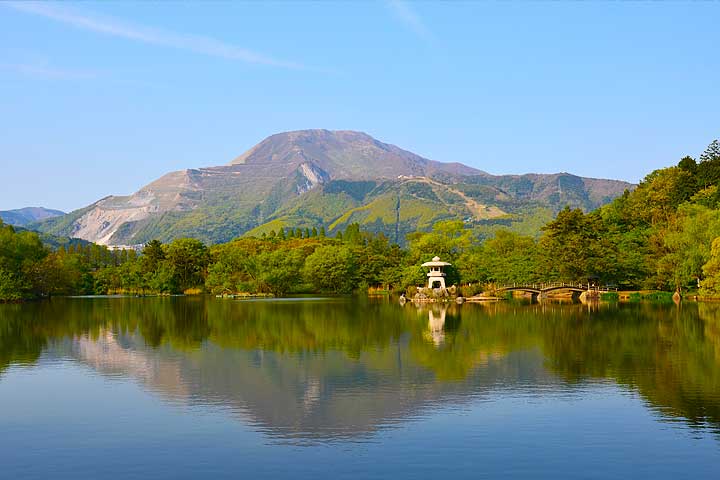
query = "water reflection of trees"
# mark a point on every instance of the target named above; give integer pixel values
(671, 355)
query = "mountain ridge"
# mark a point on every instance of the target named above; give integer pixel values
(314, 178)
(21, 217)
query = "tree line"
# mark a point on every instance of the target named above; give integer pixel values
(663, 235)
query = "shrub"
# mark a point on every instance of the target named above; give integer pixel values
(610, 297)
(470, 290)
(663, 297)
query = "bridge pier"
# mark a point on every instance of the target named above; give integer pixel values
(589, 296)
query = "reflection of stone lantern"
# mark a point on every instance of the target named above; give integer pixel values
(436, 274)
(436, 322)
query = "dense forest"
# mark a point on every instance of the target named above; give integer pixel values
(663, 235)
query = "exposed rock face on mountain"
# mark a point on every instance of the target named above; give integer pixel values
(313, 178)
(23, 216)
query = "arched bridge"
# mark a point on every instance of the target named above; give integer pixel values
(543, 289)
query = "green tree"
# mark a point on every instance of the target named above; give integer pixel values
(505, 258)
(60, 274)
(152, 255)
(711, 285)
(687, 242)
(711, 153)
(708, 170)
(574, 246)
(189, 259)
(448, 240)
(20, 255)
(165, 279)
(687, 184)
(331, 268)
(280, 271)
(352, 234)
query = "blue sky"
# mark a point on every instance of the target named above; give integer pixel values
(102, 98)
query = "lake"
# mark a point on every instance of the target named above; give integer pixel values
(189, 387)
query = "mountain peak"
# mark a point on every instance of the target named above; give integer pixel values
(345, 154)
(303, 137)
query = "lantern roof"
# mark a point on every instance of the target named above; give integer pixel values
(436, 263)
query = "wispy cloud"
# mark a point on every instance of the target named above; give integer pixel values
(405, 13)
(111, 26)
(45, 71)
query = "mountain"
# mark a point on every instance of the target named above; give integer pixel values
(345, 155)
(313, 178)
(24, 216)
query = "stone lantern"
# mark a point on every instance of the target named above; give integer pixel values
(436, 274)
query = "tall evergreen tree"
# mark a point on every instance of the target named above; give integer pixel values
(152, 255)
(711, 153)
(709, 165)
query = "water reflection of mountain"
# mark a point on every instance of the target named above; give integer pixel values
(318, 370)
(296, 395)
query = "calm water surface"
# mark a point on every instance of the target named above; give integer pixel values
(201, 387)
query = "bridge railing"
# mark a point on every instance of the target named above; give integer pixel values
(556, 286)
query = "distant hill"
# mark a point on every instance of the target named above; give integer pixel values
(55, 241)
(24, 216)
(313, 178)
